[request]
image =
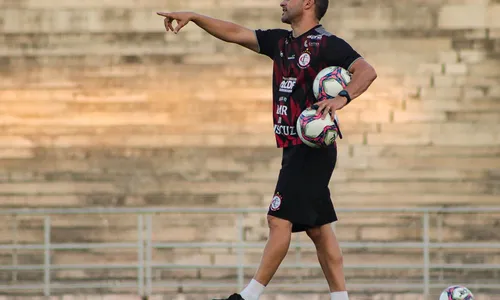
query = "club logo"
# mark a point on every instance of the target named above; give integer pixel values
(304, 60)
(276, 202)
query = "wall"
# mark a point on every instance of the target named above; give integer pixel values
(101, 108)
(90, 81)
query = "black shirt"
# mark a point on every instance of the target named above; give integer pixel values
(297, 61)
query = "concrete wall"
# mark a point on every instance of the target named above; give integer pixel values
(99, 107)
(88, 89)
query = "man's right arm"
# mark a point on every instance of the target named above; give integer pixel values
(223, 30)
(227, 31)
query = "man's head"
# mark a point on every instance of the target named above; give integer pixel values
(294, 10)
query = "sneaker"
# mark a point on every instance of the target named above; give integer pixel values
(232, 297)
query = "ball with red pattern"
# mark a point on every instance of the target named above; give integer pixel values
(456, 292)
(315, 131)
(329, 82)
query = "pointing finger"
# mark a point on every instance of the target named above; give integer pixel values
(163, 14)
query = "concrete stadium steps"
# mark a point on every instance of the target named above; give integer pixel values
(245, 82)
(235, 200)
(116, 114)
(98, 4)
(380, 174)
(107, 135)
(155, 190)
(363, 159)
(101, 108)
(231, 187)
(165, 127)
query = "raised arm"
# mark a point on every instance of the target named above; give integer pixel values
(223, 30)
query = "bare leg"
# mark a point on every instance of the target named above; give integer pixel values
(329, 256)
(280, 232)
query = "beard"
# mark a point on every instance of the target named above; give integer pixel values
(286, 18)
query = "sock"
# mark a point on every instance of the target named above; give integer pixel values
(253, 290)
(339, 296)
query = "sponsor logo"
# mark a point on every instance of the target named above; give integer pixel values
(285, 130)
(287, 84)
(315, 37)
(281, 110)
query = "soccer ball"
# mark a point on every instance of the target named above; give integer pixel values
(314, 131)
(456, 292)
(330, 81)
(311, 129)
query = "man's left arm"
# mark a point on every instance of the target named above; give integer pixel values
(339, 53)
(363, 75)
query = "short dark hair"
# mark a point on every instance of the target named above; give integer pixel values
(321, 8)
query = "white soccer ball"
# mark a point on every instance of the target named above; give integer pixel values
(456, 292)
(330, 81)
(314, 131)
(311, 129)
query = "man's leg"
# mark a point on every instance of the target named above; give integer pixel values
(330, 259)
(277, 245)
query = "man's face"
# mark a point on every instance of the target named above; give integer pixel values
(292, 10)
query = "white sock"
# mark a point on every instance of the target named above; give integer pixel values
(253, 290)
(339, 296)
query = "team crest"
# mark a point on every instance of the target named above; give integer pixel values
(276, 202)
(304, 60)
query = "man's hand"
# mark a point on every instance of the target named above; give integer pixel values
(329, 106)
(182, 18)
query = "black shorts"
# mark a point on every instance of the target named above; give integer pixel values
(302, 195)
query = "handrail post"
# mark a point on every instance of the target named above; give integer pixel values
(149, 255)
(426, 242)
(241, 252)
(15, 242)
(439, 221)
(46, 265)
(140, 254)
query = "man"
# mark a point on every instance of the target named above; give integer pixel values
(302, 199)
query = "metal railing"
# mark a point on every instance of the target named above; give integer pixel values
(145, 245)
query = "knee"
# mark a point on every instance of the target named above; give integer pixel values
(315, 235)
(277, 224)
(326, 243)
